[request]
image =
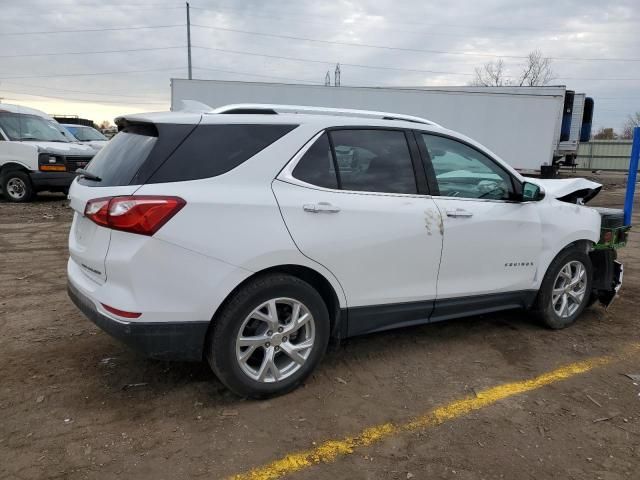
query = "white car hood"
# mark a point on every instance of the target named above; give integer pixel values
(566, 187)
(96, 144)
(61, 148)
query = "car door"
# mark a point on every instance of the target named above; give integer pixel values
(351, 203)
(492, 241)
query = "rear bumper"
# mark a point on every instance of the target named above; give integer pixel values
(51, 180)
(160, 340)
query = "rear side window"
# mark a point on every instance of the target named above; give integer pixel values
(374, 161)
(119, 160)
(212, 150)
(366, 161)
(316, 166)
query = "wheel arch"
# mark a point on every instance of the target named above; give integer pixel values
(317, 280)
(13, 166)
(583, 244)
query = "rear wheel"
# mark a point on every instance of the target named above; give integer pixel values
(269, 337)
(17, 187)
(566, 289)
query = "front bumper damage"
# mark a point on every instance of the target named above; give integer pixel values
(606, 297)
(607, 275)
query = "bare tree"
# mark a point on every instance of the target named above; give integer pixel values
(605, 134)
(632, 122)
(491, 74)
(536, 72)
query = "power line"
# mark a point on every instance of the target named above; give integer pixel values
(601, 79)
(402, 49)
(52, 54)
(341, 22)
(4, 34)
(43, 87)
(375, 67)
(87, 100)
(124, 72)
(363, 16)
(308, 60)
(257, 75)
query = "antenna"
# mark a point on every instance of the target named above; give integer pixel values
(189, 40)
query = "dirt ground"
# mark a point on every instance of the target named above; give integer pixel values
(75, 404)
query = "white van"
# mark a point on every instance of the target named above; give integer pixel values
(35, 153)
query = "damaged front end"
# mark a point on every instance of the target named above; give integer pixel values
(607, 271)
(607, 275)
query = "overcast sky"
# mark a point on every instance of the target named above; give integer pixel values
(470, 32)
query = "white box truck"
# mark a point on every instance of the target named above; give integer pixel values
(535, 129)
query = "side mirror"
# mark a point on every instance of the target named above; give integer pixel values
(531, 192)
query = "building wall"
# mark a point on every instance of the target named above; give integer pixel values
(604, 155)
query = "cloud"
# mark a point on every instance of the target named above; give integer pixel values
(564, 28)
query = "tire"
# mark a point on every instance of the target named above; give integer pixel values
(16, 186)
(549, 304)
(247, 312)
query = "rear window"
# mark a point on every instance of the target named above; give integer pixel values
(119, 160)
(212, 150)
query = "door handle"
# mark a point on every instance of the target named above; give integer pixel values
(459, 212)
(320, 207)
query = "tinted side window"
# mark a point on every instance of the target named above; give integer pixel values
(120, 159)
(316, 166)
(462, 171)
(374, 161)
(212, 150)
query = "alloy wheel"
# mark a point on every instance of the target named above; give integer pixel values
(569, 289)
(275, 340)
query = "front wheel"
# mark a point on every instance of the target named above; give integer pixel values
(565, 289)
(269, 336)
(17, 186)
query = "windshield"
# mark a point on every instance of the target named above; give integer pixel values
(86, 134)
(18, 126)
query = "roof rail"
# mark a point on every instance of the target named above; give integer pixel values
(272, 109)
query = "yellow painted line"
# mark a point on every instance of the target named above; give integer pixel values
(331, 450)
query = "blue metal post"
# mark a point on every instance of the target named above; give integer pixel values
(631, 180)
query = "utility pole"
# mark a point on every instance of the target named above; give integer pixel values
(336, 76)
(327, 79)
(189, 40)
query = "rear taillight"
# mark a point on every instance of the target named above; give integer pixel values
(135, 214)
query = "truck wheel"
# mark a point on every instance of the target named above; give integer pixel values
(565, 289)
(17, 187)
(269, 336)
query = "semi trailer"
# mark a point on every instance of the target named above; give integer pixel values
(536, 129)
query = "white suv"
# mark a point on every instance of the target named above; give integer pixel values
(251, 235)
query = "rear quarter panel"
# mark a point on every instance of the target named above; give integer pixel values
(234, 218)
